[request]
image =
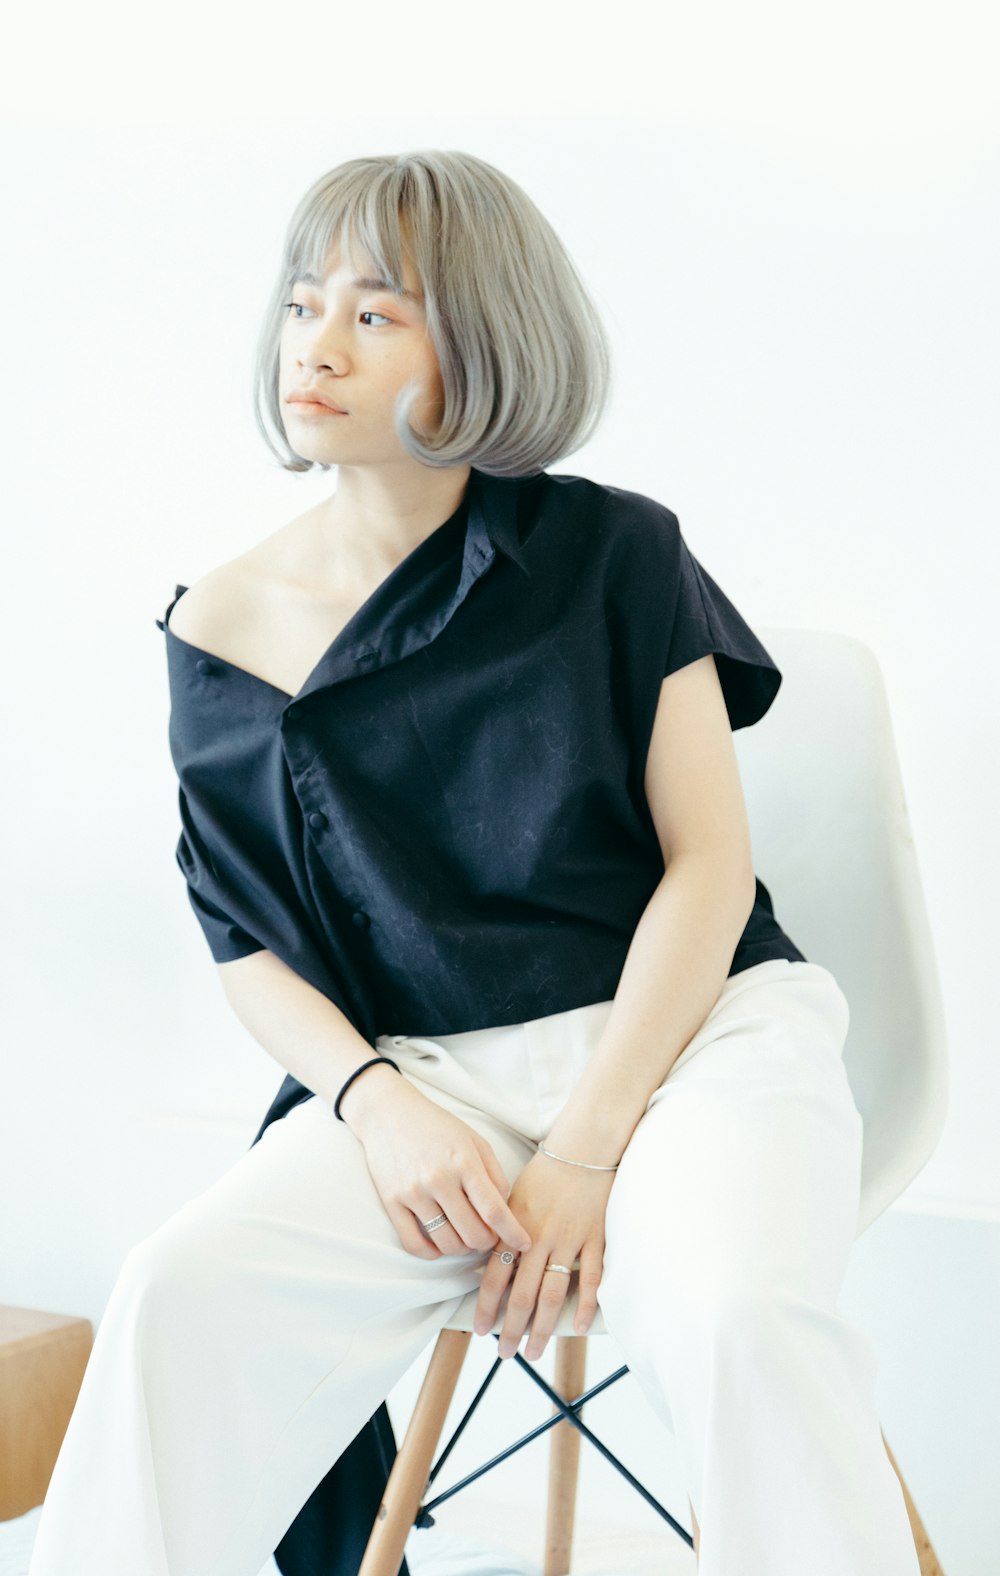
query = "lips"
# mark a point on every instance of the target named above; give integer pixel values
(313, 397)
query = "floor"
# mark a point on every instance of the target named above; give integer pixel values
(474, 1539)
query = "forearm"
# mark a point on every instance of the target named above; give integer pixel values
(675, 968)
(306, 1033)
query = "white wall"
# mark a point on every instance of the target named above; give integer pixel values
(789, 218)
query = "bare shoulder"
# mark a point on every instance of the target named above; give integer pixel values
(219, 604)
(210, 607)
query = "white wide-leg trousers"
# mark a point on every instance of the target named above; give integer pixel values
(249, 1338)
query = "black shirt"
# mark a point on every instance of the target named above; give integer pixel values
(446, 828)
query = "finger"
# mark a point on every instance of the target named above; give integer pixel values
(497, 1276)
(551, 1298)
(488, 1193)
(591, 1273)
(494, 1170)
(444, 1238)
(475, 1234)
(409, 1232)
(520, 1306)
(498, 1177)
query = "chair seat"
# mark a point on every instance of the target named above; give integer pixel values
(464, 1315)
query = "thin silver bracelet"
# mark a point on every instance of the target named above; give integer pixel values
(586, 1166)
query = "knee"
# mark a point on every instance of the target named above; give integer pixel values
(742, 1311)
(692, 1312)
(176, 1267)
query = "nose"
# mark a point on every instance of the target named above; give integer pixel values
(324, 359)
(323, 347)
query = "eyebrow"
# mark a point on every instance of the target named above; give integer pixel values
(364, 284)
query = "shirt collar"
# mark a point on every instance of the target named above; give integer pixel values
(493, 504)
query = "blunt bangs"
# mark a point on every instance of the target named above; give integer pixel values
(525, 360)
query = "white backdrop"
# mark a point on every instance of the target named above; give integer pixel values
(788, 217)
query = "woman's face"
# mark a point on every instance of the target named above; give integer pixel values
(350, 339)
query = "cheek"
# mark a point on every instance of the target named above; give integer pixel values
(430, 398)
(433, 384)
(428, 369)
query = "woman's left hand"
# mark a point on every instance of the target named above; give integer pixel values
(562, 1208)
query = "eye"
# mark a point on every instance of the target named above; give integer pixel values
(296, 307)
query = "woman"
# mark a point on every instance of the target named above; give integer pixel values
(460, 805)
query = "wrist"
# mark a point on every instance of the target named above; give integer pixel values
(370, 1094)
(600, 1140)
(603, 1166)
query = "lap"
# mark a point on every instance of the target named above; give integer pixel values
(301, 1206)
(747, 1158)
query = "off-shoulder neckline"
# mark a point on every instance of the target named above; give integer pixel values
(213, 656)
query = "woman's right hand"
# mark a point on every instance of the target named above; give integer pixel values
(425, 1161)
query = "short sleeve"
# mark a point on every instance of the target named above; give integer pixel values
(211, 902)
(670, 612)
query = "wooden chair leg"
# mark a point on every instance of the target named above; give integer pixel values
(929, 1564)
(564, 1457)
(407, 1481)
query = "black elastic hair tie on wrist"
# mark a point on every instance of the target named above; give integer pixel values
(356, 1073)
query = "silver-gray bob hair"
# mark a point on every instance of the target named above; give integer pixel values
(524, 357)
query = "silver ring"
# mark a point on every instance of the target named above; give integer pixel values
(506, 1257)
(432, 1225)
(564, 1269)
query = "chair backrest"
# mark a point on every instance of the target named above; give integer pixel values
(832, 844)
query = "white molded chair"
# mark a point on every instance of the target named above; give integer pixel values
(832, 844)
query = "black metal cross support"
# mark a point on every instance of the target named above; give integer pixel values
(567, 1411)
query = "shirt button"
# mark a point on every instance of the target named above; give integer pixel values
(204, 666)
(317, 818)
(361, 919)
